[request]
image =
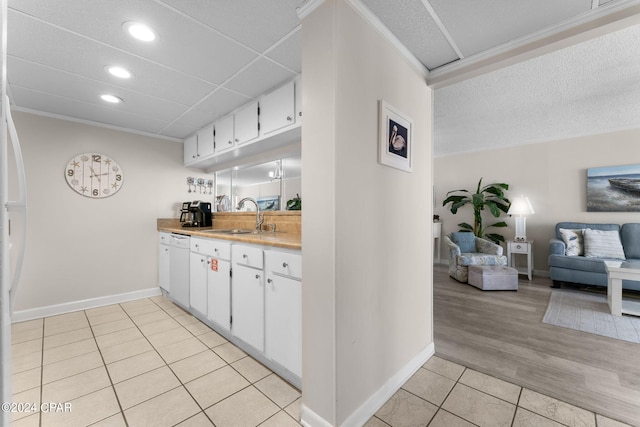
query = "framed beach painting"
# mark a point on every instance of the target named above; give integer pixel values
(613, 189)
(395, 141)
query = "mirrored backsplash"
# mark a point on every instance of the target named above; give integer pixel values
(275, 185)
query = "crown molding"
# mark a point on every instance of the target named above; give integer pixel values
(375, 22)
(307, 7)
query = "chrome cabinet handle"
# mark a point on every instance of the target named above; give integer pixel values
(244, 256)
(289, 118)
(269, 281)
(257, 276)
(285, 265)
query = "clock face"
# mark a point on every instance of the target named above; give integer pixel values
(94, 175)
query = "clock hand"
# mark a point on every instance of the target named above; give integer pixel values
(94, 173)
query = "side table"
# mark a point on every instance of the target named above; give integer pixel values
(524, 248)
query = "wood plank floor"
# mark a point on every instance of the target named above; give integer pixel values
(502, 334)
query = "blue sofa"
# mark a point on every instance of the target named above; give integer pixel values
(588, 270)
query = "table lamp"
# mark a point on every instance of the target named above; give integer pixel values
(521, 207)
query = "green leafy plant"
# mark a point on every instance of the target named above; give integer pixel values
(491, 197)
(294, 204)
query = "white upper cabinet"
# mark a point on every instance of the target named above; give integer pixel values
(271, 121)
(205, 142)
(246, 126)
(191, 149)
(298, 97)
(277, 109)
(224, 134)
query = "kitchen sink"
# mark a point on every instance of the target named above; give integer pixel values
(234, 231)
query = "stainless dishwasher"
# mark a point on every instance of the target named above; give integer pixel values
(179, 245)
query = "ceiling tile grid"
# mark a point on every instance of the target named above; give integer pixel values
(212, 56)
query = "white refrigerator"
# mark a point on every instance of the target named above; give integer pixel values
(13, 214)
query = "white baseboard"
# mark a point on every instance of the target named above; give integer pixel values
(67, 307)
(308, 418)
(361, 415)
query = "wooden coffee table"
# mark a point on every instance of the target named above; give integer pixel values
(616, 272)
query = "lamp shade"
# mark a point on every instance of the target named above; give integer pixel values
(521, 206)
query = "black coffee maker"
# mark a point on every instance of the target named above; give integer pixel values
(196, 214)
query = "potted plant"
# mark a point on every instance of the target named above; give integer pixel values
(491, 197)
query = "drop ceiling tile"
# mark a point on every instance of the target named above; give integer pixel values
(187, 124)
(255, 23)
(221, 102)
(183, 44)
(259, 77)
(35, 41)
(111, 116)
(412, 24)
(476, 26)
(59, 83)
(289, 52)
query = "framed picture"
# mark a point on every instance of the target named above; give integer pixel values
(395, 141)
(613, 189)
(271, 203)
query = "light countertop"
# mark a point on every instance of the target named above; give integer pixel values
(267, 238)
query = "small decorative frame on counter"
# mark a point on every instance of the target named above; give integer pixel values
(395, 140)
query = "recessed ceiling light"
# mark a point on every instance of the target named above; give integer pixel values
(139, 31)
(111, 98)
(119, 72)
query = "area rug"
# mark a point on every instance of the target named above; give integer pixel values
(589, 312)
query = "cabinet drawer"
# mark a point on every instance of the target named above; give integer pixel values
(214, 248)
(519, 248)
(164, 238)
(247, 255)
(284, 263)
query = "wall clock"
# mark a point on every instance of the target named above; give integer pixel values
(94, 175)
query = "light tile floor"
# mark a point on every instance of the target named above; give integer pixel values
(149, 363)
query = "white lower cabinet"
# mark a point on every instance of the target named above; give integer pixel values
(219, 292)
(163, 261)
(247, 295)
(210, 281)
(283, 310)
(197, 279)
(249, 292)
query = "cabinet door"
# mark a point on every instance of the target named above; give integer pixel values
(205, 143)
(198, 282)
(163, 267)
(283, 324)
(247, 306)
(224, 134)
(219, 292)
(277, 109)
(246, 123)
(191, 149)
(298, 96)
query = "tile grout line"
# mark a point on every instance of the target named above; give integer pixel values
(126, 423)
(41, 376)
(229, 364)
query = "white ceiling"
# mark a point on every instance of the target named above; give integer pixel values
(212, 56)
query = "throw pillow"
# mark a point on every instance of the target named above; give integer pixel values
(603, 244)
(574, 241)
(465, 240)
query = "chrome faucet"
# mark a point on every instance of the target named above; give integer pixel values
(259, 217)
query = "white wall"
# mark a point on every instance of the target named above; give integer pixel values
(80, 248)
(552, 174)
(367, 290)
